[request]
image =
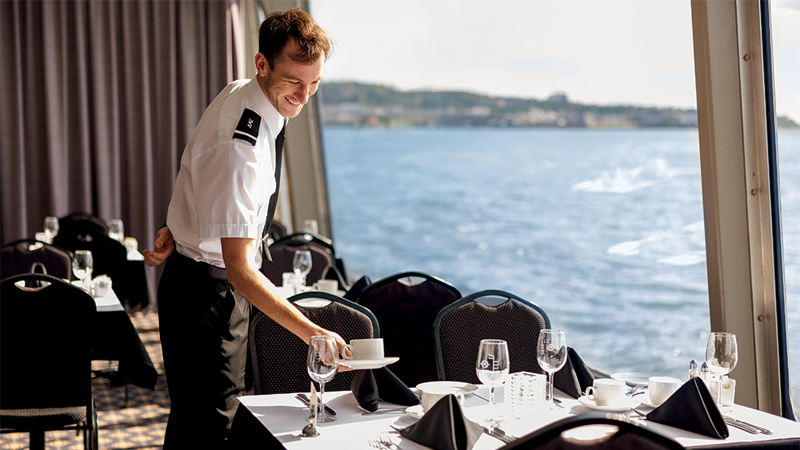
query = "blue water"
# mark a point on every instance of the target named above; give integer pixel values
(601, 228)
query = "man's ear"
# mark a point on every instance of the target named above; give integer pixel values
(262, 65)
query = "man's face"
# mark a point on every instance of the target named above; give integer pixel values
(289, 84)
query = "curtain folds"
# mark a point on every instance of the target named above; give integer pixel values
(97, 100)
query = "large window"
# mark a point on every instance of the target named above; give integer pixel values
(592, 212)
(786, 56)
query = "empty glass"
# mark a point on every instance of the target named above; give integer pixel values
(721, 355)
(50, 228)
(311, 226)
(492, 369)
(82, 267)
(116, 230)
(322, 364)
(301, 264)
(551, 351)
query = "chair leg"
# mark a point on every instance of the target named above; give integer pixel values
(37, 440)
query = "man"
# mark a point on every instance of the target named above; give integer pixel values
(221, 207)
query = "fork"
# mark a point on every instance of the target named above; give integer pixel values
(635, 389)
(386, 441)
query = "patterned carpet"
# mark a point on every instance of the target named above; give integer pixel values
(138, 425)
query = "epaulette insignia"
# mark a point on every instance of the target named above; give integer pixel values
(247, 130)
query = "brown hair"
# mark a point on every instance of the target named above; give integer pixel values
(276, 30)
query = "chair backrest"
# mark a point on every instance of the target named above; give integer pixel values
(282, 252)
(406, 310)
(460, 327)
(46, 339)
(20, 256)
(279, 357)
(80, 221)
(108, 255)
(608, 432)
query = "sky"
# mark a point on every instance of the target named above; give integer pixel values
(598, 52)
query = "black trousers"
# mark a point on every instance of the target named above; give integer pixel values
(203, 324)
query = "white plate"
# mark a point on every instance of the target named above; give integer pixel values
(454, 386)
(415, 411)
(633, 378)
(625, 405)
(364, 364)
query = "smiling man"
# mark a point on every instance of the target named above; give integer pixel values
(222, 205)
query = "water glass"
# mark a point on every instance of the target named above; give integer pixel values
(82, 267)
(323, 363)
(311, 226)
(50, 228)
(721, 356)
(527, 393)
(116, 230)
(551, 352)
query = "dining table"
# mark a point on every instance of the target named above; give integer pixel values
(279, 418)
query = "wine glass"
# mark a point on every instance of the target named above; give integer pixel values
(322, 364)
(50, 228)
(82, 267)
(116, 230)
(492, 368)
(302, 264)
(551, 351)
(721, 356)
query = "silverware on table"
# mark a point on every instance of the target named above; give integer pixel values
(634, 390)
(731, 421)
(304, 398)
(499, 434)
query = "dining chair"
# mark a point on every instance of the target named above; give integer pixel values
(79, 221)
(406, 305)
(323, 259)
(109, 257)
(46, 339)
(459, 328)
(21, 256)
(594, 431)
(279, 357)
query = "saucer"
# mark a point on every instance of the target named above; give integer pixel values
(415, 411)
(624, 405)
(645, 399)
(633, 378)
(364, 364)
(455, 386)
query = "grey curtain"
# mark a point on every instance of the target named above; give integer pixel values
(98, 99)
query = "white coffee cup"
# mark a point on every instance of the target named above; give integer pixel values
(660, 388)
(431, 395)
(366, 349)
(101, 285)
(606, 391)
(329, 286)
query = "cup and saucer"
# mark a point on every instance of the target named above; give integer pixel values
(659, 390)
(367, 354)
(607, 394)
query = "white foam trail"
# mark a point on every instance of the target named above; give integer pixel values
(686, 259)
(623, 181)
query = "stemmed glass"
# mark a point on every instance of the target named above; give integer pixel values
(721, 356)
(322, 364)
(551, 351)
(82, 267)
(116, 230)
(492, 368)
(50, 228)
(302, 264)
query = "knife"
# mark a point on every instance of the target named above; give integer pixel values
(760, 429)
(304, 398)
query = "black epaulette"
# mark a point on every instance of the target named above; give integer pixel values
(247, 130)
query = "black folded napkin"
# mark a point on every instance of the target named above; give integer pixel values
(692, 408)
(371, 386)
(355, 290)
(574, 377)
(444, 427)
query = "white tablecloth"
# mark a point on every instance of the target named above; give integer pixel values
(285, 416)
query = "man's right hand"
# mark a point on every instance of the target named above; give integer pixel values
(164, 246)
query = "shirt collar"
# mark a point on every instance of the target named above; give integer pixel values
(264, 108)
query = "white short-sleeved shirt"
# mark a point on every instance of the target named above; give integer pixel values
(227, 174)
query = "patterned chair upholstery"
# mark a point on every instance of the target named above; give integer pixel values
(406, 312)
(46, 339)
(279, 357)
(460, 327)
(564, 435)
(19, 257)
